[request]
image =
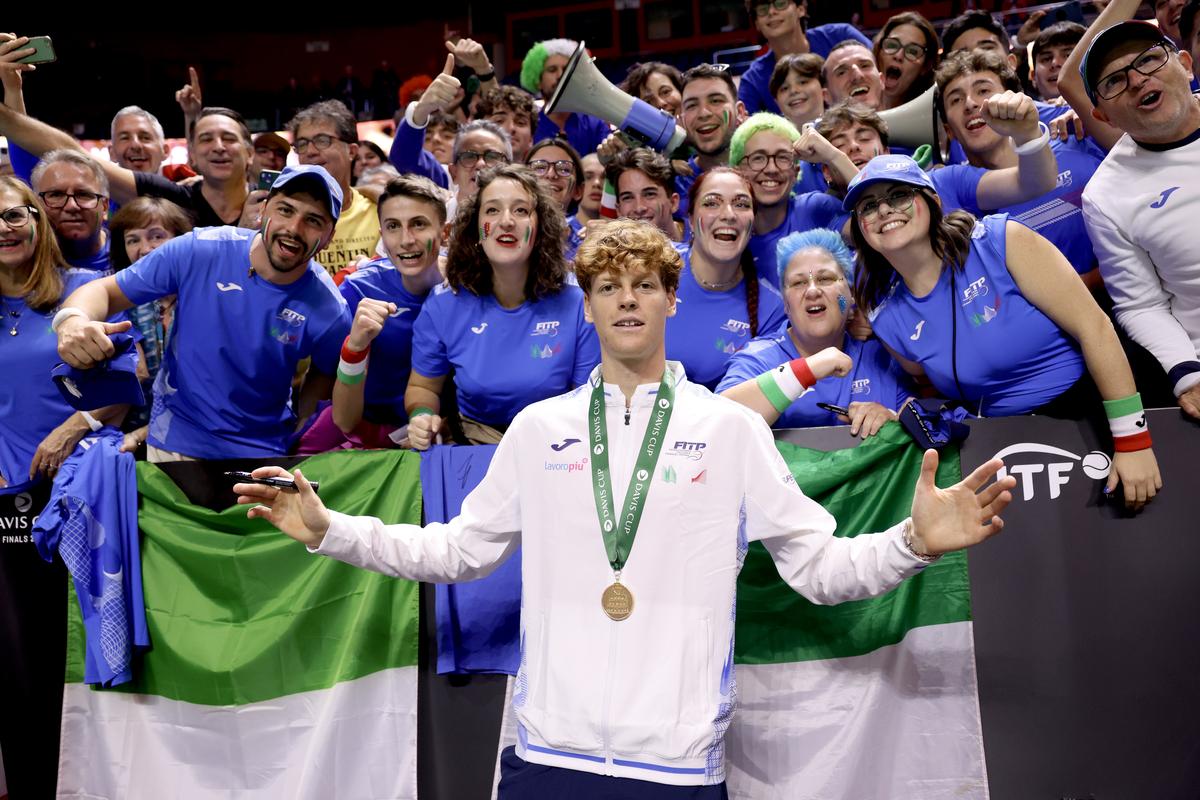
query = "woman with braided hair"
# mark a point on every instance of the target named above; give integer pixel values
(723, 303)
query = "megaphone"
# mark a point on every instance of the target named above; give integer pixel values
(917, 122)
(583, 89)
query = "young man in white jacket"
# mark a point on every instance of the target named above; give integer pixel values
(626, 682)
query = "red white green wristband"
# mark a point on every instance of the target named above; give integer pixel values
(1127, 421)
(352, 368)
(784, 384)
(421, 411)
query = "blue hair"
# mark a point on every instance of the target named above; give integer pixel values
(822, 239)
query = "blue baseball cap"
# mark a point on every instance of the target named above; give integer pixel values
(889, 168)
(316, 181)
(108, 383)
(1107, 40)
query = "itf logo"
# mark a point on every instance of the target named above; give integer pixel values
(1095, 465)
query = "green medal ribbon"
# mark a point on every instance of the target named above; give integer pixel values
(619, 534)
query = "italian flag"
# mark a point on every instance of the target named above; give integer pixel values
(273, 673)
(874, 698)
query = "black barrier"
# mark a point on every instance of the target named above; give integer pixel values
(1086, 630)
(1087, 619)
(33, 649)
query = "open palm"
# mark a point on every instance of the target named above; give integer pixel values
(951, 519)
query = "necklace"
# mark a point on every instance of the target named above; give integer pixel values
(723, 285)
(14, 314)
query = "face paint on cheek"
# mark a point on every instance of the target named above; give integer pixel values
(528, 232)
(725, 117)
(428, 247)
(842, 303)
(485, 230)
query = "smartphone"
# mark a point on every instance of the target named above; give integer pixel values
(834, 409)
(266, 178)
(43, 51)
(286, 484)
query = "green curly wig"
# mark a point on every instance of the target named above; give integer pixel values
(757, 123)
(535, 61)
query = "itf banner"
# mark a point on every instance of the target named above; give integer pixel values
(1087, 618)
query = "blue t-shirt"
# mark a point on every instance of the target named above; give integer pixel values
(574, 239)
(504, 358)
(809, 210)
(98, 262)
(583, 131)
(1058, 214)
(957, 186)
(225, 387)
(810, 179)
(875, 378)
(755, 87)
(1011, 357)
(32, 406)
(391, 351)
(710, 326)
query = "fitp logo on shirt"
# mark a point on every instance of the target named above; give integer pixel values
(288, 326)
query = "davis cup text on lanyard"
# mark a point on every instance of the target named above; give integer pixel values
(617, 600)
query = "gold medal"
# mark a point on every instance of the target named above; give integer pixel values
(617, 602)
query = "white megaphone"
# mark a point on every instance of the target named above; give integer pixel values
(583, 89)
(917, 122)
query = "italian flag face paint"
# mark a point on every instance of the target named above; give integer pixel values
(485, 230)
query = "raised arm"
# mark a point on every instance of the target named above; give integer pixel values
(38, 138)
(1013, 114)
(469, 546)
(1070, 82)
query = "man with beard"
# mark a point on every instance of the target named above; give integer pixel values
(251, 306)
(710, 113)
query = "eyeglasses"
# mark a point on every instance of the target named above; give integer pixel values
(762, 9)
(1147, 62)
(18, 216)
(758, 160)
(469, 158)
(322, 141)
(822, 280)
(57, 200)
(913, 52)
(897, 200)
(563, 169)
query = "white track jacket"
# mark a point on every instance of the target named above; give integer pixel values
(649, 697)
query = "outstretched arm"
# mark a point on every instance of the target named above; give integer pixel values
(470, 546)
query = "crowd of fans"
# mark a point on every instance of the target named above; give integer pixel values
(425, 295)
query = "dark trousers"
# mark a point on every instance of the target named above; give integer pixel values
(520, 780)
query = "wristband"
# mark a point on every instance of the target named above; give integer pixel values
(354, 356)
(92, 422)
(65, 314)
(484, 77)
(352, 372)
(422, 411)
(1034, 145)
(1127, 421)
(784, 384)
